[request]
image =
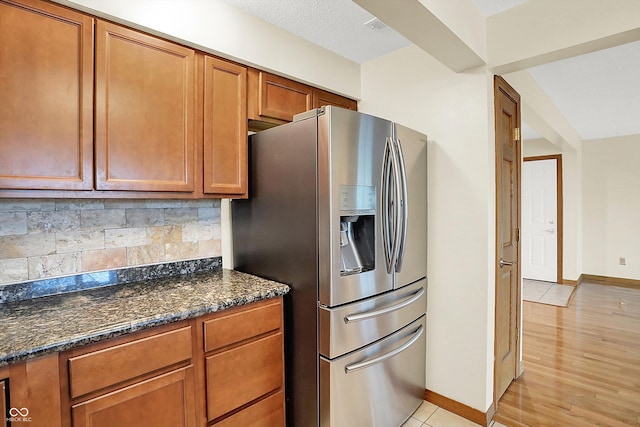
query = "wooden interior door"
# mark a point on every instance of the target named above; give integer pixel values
(145, 102)
(46, 97)
(507, 127)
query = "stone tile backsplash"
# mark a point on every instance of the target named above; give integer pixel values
(50, 238)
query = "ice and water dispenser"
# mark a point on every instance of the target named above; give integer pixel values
(357, 229)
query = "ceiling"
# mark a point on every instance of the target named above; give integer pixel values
(598, 93)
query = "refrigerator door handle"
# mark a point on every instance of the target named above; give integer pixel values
(386, 206)
(375, 360)
(397, 232)
(388, 309)
(404, 207)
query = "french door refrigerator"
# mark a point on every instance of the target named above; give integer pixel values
(337, 209)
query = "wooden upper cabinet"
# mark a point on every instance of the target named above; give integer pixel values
(276, 98)
(145, 102)
(225, 128)
(46, 91)
(322, 98)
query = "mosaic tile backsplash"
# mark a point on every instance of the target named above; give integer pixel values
(42, 238)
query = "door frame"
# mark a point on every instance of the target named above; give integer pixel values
(501, 86)
(559, 209)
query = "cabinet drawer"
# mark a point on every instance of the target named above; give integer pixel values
(268, 412)
(238, 376)
(242, 325)
(110, 366)
(163, 401)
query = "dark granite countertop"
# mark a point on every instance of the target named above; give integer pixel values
(32, 328)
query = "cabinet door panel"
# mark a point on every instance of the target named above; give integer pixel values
(225, 127)
(243, 374)
(281, 98)
(46, 86)
(322, 97)
(35, 385)
(3, 404)
(163, 401)
(144, 112)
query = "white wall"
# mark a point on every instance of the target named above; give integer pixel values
(572, 202)
(611, 185)
(216, 27)
(456, 112)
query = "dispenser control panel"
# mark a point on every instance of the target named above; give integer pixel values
(358, 198)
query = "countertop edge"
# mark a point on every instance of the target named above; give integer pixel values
(117, 330)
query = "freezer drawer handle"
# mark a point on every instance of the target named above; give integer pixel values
(375, 360)
(356, 317)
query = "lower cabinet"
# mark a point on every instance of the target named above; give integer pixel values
(224, 369)
(244, 366)
(243, 374)
(268, 412)
(3, 403)
(163, 401)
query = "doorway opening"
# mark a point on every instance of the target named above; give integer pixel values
(542, 225)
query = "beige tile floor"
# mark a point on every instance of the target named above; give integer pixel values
(430, 415)
(546, 292)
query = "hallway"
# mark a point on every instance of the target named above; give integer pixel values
(581, 363)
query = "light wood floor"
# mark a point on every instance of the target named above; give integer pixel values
(582, 363)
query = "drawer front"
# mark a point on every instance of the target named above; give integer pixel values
(268, 412)
(242, 325)
(238, 376)
(392, 370)
(110, 366)
(163, 401)
(351, 326)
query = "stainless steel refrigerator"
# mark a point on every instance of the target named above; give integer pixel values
(337, 209)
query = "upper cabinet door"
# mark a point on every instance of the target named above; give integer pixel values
(225, 127)
(46, 91)
(144, 112)
(278, 98)
(322, 98)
